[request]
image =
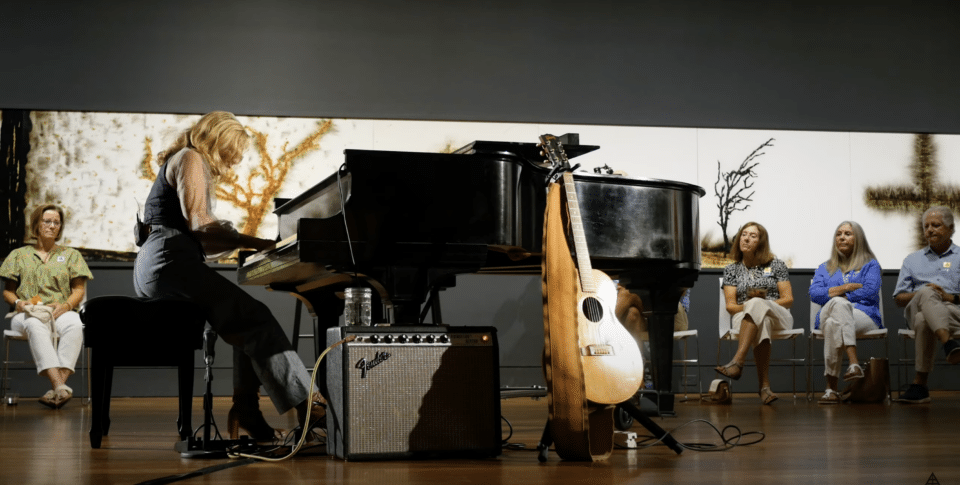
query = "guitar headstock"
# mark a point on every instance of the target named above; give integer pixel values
(556, 156)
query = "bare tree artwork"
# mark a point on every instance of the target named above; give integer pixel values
(731, 188)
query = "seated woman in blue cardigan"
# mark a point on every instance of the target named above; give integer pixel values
(848, 287)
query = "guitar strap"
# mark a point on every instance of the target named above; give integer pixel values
(581, 430)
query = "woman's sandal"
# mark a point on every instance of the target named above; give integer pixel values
(64, 394)
(767, 395)
(49, 399)
(830, 397)
(853, 372)
(732, 370)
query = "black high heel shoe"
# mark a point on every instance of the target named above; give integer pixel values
(246, 414)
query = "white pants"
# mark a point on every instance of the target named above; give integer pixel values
(767, 315)
(841, 323)
(926, 313)
(65, 355)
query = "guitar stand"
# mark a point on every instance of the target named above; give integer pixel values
(543, 448)
(207, 447)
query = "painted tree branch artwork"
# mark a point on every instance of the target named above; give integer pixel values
(254, 193)
(731, 189)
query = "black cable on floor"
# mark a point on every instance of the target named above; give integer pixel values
(505, 442)
(203, 471)
(727, 443)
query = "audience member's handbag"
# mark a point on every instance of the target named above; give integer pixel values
(874, 386)
(719, 393)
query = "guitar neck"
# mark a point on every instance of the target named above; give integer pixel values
(579, 240)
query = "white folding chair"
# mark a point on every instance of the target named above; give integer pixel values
(10, 335)
(817, 334)
(730, 334)
(685, 336)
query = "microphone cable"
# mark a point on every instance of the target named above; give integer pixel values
(346, 230)
(306, 425)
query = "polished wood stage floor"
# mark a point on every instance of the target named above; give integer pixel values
(804, 443)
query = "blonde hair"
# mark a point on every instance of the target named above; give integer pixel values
(860, 256)
(764, 255)
(218, 137)
(37, 216)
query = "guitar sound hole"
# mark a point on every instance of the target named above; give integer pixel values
(592, 309)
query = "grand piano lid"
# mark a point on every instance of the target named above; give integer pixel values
(526, 151)
(637, 181)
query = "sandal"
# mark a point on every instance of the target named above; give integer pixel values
(767, 396)
(830, 397)
(732, 370)
(49, 399)
(64, 394)
(853, 372)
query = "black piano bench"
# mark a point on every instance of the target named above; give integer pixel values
(127, 331)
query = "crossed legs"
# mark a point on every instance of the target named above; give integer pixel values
(761, 352)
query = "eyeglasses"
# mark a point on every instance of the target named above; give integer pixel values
(51, 223)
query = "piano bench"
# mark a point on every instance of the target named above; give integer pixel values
(127, 331)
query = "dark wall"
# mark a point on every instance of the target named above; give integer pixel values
(814, 65)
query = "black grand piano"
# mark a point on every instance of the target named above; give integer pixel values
(406, 223)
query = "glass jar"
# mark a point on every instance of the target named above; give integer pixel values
(357, 308)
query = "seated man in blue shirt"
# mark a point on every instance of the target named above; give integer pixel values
(929, 289)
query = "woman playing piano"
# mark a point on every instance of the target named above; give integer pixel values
(758, 296)
(183, 234)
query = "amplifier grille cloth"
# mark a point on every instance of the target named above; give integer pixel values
(423, 398)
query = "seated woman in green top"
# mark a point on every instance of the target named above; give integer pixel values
(44, 283)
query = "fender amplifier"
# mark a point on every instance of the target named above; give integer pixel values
(413, 392)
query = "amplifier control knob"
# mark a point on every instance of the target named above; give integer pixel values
(402, 339)
(374, 338)
(387, 338)
(429, 339)
(444, 339)
(415, 339)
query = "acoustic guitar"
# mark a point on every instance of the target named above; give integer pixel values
(611, 359)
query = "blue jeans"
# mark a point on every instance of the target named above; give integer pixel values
(170, 265)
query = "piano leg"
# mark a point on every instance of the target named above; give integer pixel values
(660, 326)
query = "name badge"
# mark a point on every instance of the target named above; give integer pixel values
(767, 271)
(946, 264)
(61, 259)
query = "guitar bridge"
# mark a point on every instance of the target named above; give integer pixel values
(597, 350)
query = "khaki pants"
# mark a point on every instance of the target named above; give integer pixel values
(841, 324)
(926, 313)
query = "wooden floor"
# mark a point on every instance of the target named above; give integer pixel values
(805, 443)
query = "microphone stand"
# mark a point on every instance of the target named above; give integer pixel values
(207, 447)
